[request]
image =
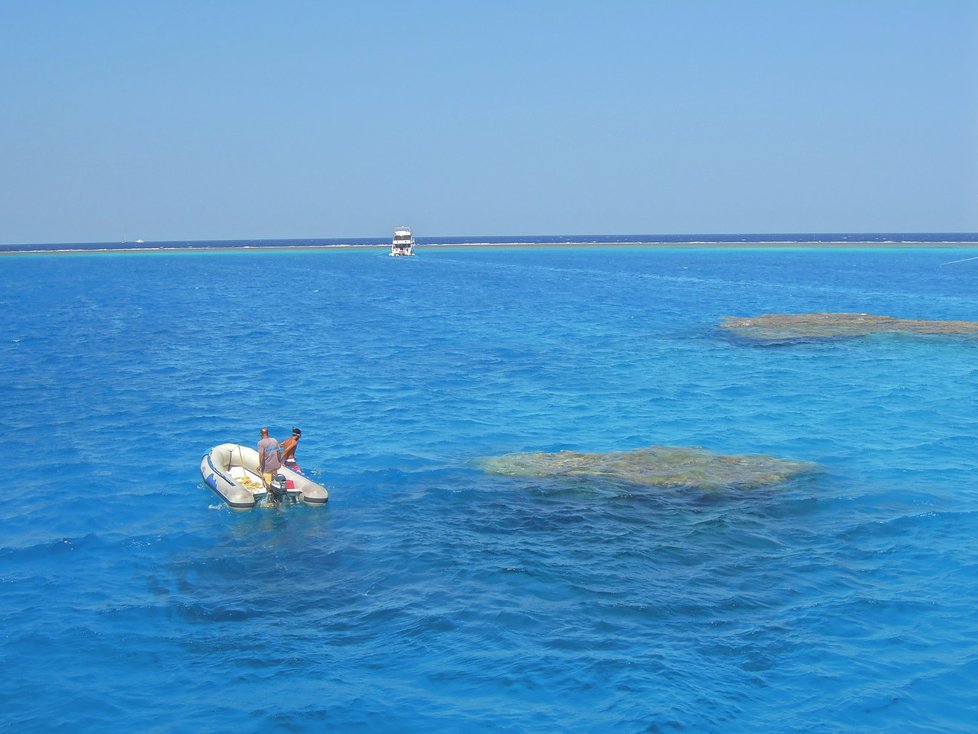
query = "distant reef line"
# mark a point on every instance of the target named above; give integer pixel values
(774, 244)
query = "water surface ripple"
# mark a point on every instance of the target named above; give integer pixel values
(430, 596)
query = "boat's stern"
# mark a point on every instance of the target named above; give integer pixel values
(309, 491)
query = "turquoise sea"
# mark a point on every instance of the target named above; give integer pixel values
(428, 596)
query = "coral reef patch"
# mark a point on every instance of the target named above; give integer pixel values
(773, 327)
(654, 466)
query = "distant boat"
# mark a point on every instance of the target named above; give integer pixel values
(403, 242)
(139, 242)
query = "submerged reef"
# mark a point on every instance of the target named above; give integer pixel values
(770, 327)
(654, 466)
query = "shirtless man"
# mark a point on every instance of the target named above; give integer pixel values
(288, 449)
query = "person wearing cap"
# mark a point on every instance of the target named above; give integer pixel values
(269, 457)
(288, 449)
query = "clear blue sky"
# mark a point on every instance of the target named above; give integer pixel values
(279, 119)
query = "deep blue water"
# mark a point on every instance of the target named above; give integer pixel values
(430, 597)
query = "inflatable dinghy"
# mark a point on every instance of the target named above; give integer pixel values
(231, 470)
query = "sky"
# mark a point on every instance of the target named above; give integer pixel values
(213, 119)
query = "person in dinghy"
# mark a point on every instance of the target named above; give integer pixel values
(269, 457)
(288, 448)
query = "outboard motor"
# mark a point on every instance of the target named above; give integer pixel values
(279, 488)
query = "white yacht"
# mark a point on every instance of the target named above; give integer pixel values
(403, 243)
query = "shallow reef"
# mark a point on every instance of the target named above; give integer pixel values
(770, 327)
(654, 466)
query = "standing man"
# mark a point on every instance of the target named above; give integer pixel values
(269, 457)
(288, 450)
